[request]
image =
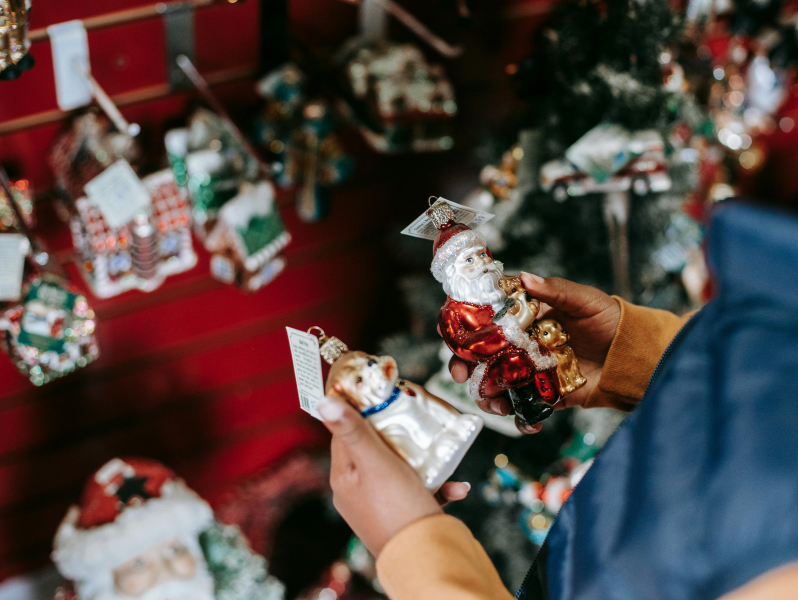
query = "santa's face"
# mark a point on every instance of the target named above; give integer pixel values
(166, 571)
(474, 277)
(474, 262)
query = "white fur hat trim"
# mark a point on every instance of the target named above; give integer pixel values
(81, 554)
(449, 252)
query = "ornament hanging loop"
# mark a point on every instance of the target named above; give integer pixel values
(432, 200)
(321, 335)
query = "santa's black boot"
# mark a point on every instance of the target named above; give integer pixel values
(528, 405)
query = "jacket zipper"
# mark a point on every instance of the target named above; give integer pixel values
(676, 339)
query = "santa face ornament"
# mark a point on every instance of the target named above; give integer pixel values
(487, 327)
(430, 435)
(141, 532)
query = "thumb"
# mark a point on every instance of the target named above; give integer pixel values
(346, 424)
(571, 298)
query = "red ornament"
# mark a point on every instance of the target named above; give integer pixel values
(477, 324)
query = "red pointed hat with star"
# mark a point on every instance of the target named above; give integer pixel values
(451, 240)
(128, 505)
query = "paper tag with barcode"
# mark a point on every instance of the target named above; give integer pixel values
(118, 193)
(307, 369)
(423, 227)
(13, 248)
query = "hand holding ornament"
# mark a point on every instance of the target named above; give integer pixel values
(376, 492)
(430, 435)
(588, 314)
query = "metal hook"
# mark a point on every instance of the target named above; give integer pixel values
(321, 331)
(205, 91)
(420, 29)
(430, 199)
(105, 102)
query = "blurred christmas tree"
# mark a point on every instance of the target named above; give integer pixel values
(598, 61)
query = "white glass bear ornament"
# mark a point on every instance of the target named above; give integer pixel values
(424, 430)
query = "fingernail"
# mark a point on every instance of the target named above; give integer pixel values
(535, 278)
(497, 407)
(468, 485)
(330, 410)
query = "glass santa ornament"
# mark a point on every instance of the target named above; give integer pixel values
(141, 532)
(424, 430)
(502, 352)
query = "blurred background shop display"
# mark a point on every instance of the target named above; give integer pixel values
(181, 180)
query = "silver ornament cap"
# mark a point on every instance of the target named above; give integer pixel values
(440, 213)
(330, 347)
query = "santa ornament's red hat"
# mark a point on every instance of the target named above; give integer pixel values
(128, 505)
(451, 240)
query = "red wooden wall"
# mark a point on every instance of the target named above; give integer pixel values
(197, 374)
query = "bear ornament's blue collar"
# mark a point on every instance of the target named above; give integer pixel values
(400, 387)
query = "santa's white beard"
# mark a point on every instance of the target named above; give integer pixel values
(199, 587)
(482, 289)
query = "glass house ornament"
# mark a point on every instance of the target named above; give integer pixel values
(145, 250)
(412, 101)
(247, 238)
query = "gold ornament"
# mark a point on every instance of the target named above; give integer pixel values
(554, 338)
(14, 42)
(548, 332)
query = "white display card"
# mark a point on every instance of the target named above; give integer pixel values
(13, 248)
(118, 193)
(307, 369)
(70, 46)
(423, 227)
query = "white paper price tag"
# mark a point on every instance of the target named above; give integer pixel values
(70, 46)
(13, 248)
(118, 193)
(307, 369)
(423, 227)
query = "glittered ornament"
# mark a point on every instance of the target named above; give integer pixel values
(87, 147)
(430, 435)
(209, 160)
(14, 42)
(298, 134)
(140, 531)
(50, 333)
(247, 237)
(412, 100)
(141, 252)
(487, 321)
(23, 198)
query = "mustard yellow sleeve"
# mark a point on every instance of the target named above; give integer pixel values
(642, 336)
(776, 584)
(437, 558)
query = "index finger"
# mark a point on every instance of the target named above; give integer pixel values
(572, 298)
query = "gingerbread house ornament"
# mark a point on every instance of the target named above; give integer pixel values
(247, 238)
(140, 253)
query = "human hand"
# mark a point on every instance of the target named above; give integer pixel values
(591, 318)
(376, 492)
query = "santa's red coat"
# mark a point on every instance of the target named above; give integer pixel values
(469, 331)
